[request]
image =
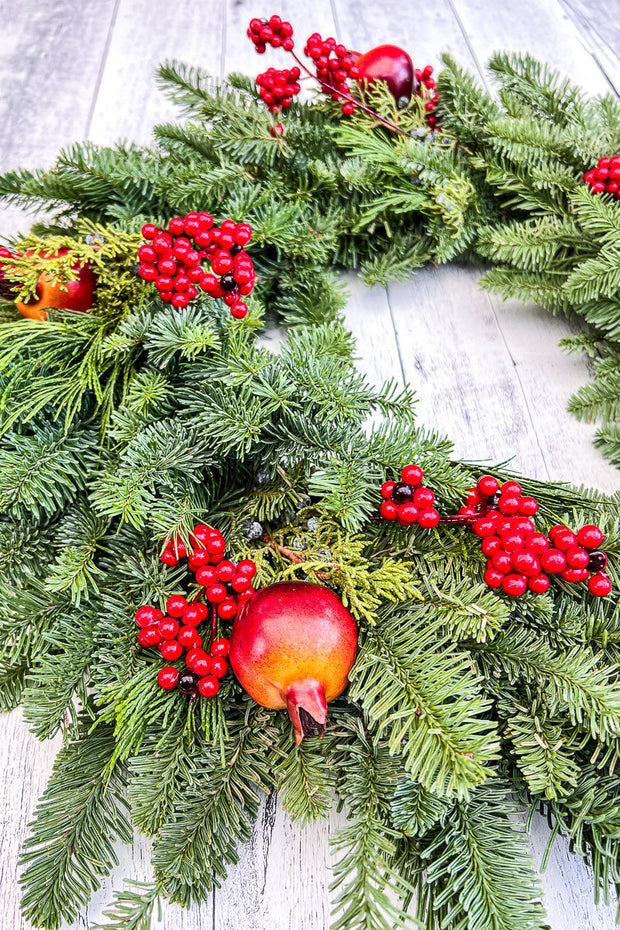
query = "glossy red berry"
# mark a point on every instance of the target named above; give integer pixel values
(388, 510)
(168, 677)
(219, 666)
(176, 605)
(386, 489)
(599, 585)
(536, 543)
(552, 560)
(538, 584)
(501, 561)
(428, 519)
(195, 614)
(423, 498)
(187, 636)
(412, 474)
(574, 575)
(525, 563)
(511, 489)
(206, 576)
(590, 536)
(484, 527)
(171, 650)
(576, 557)
(247, 567)
(227, 609)
(493, 577)
(564, 540)
(225, 570)
(149, 637)
(216, 593)
(487, 485)
(208, 686)
(508, 504)
(168, 628)
(148, 615)
(220, 647)
(528, 506)
(490, 544)
(407, 513)
(514, 585)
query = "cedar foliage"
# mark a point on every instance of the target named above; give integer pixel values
(144, 420)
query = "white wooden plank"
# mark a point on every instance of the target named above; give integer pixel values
(598, 23)
(146, 32)
(542, 29)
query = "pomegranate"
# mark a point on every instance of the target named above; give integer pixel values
(391, 64)
(75, 295)
(293, 645)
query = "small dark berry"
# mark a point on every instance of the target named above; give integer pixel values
(597, 561)
(227, 282)
(402, 492)
(187, 682)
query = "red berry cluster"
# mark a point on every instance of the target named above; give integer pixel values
(605, 178)
(519, 557)
(334, 65)
(426, 82)
(226, 587)
(277, 88)
(172, 260)
(407, 501)
(273, 31)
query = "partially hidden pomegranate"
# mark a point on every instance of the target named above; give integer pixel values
(391, 64)
(293, 645)
(74, 295)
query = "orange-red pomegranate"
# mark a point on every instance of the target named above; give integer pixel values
(75, 295)
(293, 645)
(391, 64)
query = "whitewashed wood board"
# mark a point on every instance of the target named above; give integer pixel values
(488, 374)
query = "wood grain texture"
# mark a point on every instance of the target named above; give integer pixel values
(488, 374)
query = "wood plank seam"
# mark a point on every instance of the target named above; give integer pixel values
(102, 67)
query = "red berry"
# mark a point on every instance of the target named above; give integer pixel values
(559, 527)
(538, 584)
(428, 519)
(577, 557)
(552, 560)
(487, 485)
(564, 540)
(201, 664)
(575, 575)
(412, 474)
(167, 677)
(216, 593)
(220, 647)
(208, 686)
(195, 614)
(239, 311)
(175, 225)
(147, 615)
(180, 300)
(508, 504)
(511, 489)
(590, 536)
(490, 544)
(197, 559)
(423, 498)
(219, 666)
(240, 582)
(536, 543)
(225, 570)
(406, 514)
(501, 561)
(528, 506)
(216, 547)
(484, 527)
(348, 108)
(147, 272)
(493, 577)
(206, 575)
(168, 628)
(525, 563)
(227, 609)
(187, 636)
(512, 541)
(246, 567)
(514, 585)
(171, 650)
(386, 489)
(149, 231)
(169, 558)
(176, 605)
(146, 253)
(599, 585)
(149, 637)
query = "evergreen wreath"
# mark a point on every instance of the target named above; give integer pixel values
(124, 427)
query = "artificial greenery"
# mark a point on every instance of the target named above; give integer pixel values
(130, 424)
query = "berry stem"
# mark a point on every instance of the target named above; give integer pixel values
(290, 555)
(213, 625)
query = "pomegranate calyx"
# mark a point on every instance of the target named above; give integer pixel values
(307, 708)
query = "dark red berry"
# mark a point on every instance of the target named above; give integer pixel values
(402, 492)
(188, 681)
(597, 561)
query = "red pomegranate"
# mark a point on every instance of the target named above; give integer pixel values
(391, 64)
(75, 295)
(293, 645)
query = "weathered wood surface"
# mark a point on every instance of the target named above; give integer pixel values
(488, 374)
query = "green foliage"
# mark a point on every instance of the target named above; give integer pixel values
(124, 427)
